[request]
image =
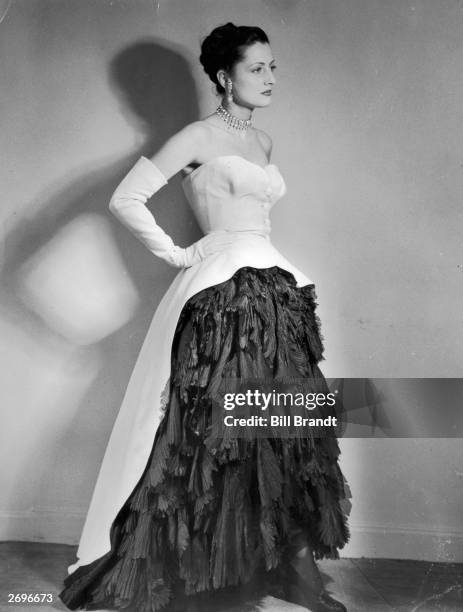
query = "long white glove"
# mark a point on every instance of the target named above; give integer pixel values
(128, 205)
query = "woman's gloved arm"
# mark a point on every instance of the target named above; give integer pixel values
(128, 204)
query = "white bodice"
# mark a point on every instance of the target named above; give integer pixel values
(232, 193)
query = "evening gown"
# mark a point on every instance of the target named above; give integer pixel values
(176, 511)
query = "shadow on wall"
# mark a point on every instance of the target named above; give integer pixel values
(81, 291)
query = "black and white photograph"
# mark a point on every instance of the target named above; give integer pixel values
(231, 305)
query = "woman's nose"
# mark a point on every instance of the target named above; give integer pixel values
(270, 78)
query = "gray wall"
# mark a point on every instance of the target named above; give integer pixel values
(367, 133)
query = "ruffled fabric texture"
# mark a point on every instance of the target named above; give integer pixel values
(212, 512)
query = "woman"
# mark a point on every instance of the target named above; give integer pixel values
(179, 511)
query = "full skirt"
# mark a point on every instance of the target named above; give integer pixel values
(211, 513)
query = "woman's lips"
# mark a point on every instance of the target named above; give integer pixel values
(267, 93)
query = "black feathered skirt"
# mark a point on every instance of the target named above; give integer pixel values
(207, 515)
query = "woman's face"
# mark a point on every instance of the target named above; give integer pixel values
(253, 77)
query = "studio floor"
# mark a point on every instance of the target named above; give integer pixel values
(363, 585)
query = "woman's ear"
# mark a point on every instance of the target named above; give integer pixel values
(222, 77)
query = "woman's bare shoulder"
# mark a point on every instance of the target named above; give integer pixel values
(192, 131)
(181, 149)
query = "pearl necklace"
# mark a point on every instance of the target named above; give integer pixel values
(231, 120)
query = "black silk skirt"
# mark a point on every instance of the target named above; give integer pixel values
(209, 515)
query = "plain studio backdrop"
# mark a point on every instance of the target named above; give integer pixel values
(367, 130)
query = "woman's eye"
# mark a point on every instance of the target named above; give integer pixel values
(260, 68)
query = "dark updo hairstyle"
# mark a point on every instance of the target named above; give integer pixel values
(225, 46)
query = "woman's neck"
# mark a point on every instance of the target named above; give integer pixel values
(241, 112)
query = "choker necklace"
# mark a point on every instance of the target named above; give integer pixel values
(231, 120)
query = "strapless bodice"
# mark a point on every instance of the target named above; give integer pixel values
(232, 193)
